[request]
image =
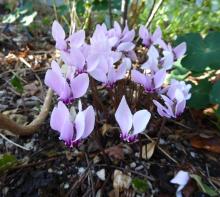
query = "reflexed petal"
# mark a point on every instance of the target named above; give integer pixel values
(127, 63)
(162, 111)
(180, 106)
(58, 116)
(65, 56)
(77, 58)
(117, 28)
(179, 95)
(180, 50)
(57, 31)
(79, 125)
(156, 35)
(125, 46)
(57, 82)
(138, 77)
(66, 132)
(129, 36)
(143, 33)
(79, 85)
(140, 121)
(123, 116)
(89, 121)
(153, 52)
(77, 39)
(120, 72)
(99, 75)
(167, 60)
(159, 78)
(92, 62)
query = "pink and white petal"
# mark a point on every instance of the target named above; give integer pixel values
(180, 50)
(66, 132)
(79, 125)
(117, 28)
(99, 75)
(125, 46)
(65, 56)
(159, 78)
(129, 36)
(77, 58)
(57, 31)
(156, 35)
(138, 77)
(89, 121)
(58, 116)
(153, 52)
(140, 121)
(180, 106)
(79, 85)
(77, 39)
(162, 111)
(143, 32)
(120, 72)
(168, 60)
(123, 116)
(127, 62)
(92, 62)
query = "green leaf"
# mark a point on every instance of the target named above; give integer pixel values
(6, 161)
(214, 95)
(205, 188)
(140, 185)
(17, 85)
(201, 53)
(200, 95)
(28, 19)
(11, 18)
(179, 72)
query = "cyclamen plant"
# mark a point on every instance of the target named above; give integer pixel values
(110, 59)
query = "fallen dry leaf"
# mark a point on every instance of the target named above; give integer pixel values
(32, 89)
(121, 181)
(115, 152)
(148, 150)
(211, 144)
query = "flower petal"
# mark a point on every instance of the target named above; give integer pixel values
(89, 121)
(180, 50)
(159, 78)
(123, 116)
(140, 121)
(138, 77)
(79, 125)
(79, 85)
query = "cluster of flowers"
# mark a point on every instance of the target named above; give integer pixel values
(107, 58)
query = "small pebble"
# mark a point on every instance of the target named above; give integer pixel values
(66, 186)
(133, 165)
(101, 174)
(50, 170)
(139, 167)
(81, 170)
(193, 154)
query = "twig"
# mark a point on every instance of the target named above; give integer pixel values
(10, 141)
(163, 151)
(124, 11)
(153, 12)
(161, 130)
(90, 175)
(25, 62)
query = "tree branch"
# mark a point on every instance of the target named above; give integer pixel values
(10, 125)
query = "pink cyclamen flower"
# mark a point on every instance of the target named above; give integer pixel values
(67, 91)
(178, 51)
(126, 120)
(173, 107)
(151, 82)
(112, 75)
(72, 127)
(149, 39)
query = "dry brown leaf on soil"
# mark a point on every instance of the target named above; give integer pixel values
(32, 89)
(121, 181)
(148, 150)
(115, 152)
(211, 144)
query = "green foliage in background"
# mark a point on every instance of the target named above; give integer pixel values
(23, 14)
